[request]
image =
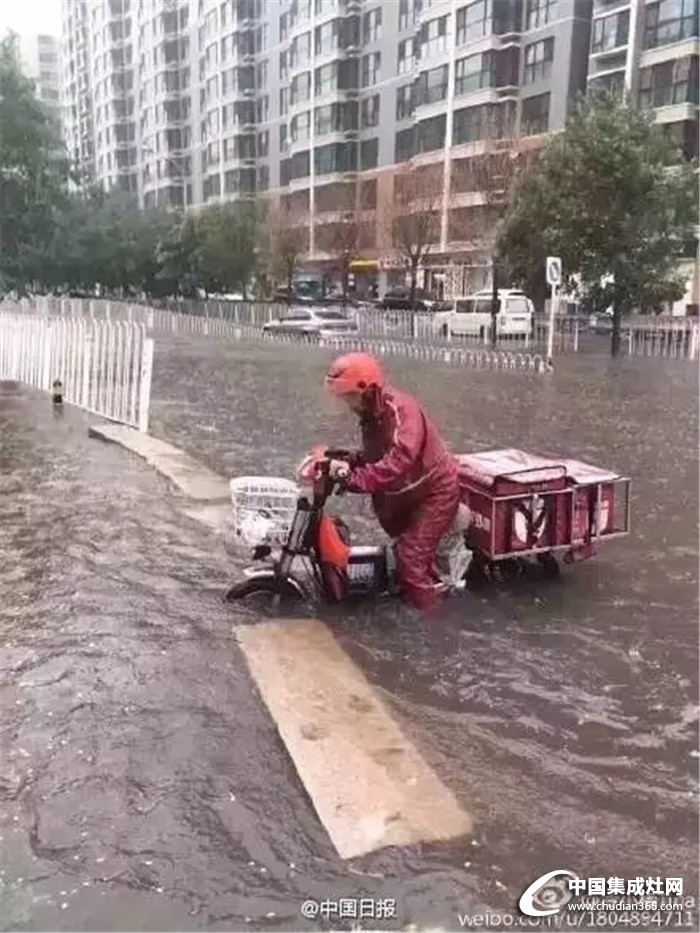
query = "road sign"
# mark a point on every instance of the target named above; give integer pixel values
(553, 270)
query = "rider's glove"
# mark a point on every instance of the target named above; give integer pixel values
(338, 469)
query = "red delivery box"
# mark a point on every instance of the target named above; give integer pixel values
(521, 502)
(593, 505)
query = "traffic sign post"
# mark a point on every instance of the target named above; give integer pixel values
(554, 281)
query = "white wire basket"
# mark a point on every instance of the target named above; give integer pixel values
(263, 509)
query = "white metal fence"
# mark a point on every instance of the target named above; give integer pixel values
(678, 339)
(212, 317)
(104, 367)
(643, 336)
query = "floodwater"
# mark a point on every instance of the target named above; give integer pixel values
(145, 786)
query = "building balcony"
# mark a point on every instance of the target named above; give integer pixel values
(299, 145)
(299, 184)
(665, 53)
(676, 113)
(618, 50)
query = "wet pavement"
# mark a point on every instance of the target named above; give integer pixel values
(145, 786)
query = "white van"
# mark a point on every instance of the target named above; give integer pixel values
(471, 316)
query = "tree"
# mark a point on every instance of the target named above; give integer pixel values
(282, 242)
(225, 234)
(493, 175)
(414, 217)
(33, 175)
(179, 257)
(344, 242)
(613, 197)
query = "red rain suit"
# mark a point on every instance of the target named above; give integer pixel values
(414, 484)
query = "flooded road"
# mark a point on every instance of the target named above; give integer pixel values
(145, 786)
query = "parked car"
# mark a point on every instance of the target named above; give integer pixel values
(287, 296)
(399, 299)
(471, 316)
(310, 323)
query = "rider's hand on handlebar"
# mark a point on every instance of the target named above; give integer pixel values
(338, 469)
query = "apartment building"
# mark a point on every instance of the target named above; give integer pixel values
(650, 50)
(317, 102)
(38, 55)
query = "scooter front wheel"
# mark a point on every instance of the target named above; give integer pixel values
(266, 595)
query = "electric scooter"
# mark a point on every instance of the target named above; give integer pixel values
(310, 558)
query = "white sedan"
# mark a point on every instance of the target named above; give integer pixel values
(309, 323)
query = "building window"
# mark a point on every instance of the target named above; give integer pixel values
(405, 60)
(284, 66)
(372, 25)
(300, 165)
(473, 21)
(405, 144)
(326, 79)
(261, 75)
(299, 127)
(263, 109)
(370, 69)
(263, 143)
(535, 115)
(674, 82)
(404, 14)
(337, 157)
(610, 32)
(474, 73)
(323, 120)
(404, 102)
(685, 137)
(326, 38)
(300, 89)
(468, 125)
(284, 100)
(284, 26)
(538, 13)
(538, 61)
(369, 112)
(300, 50)
(283, 137)
(433, 37)
(670, 21)
(369, 154)
(263, 179)
(431, 86)
(261, 38)
(612, 84)
(431, 134)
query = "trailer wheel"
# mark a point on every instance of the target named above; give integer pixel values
(506, 571)
(548, 565)
(479, 573)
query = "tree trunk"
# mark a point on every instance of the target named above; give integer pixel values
(616, 336)
(494, 300)
(345, 275)
(414, 276)
(290, 279)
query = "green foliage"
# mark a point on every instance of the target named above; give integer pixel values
(57, 239)
(613, 197)
(226, 237)
(33, 175)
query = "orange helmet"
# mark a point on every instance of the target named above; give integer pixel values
(354, 372)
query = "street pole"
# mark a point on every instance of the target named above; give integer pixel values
(494, 299)
(554, 277)
(553, 303)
